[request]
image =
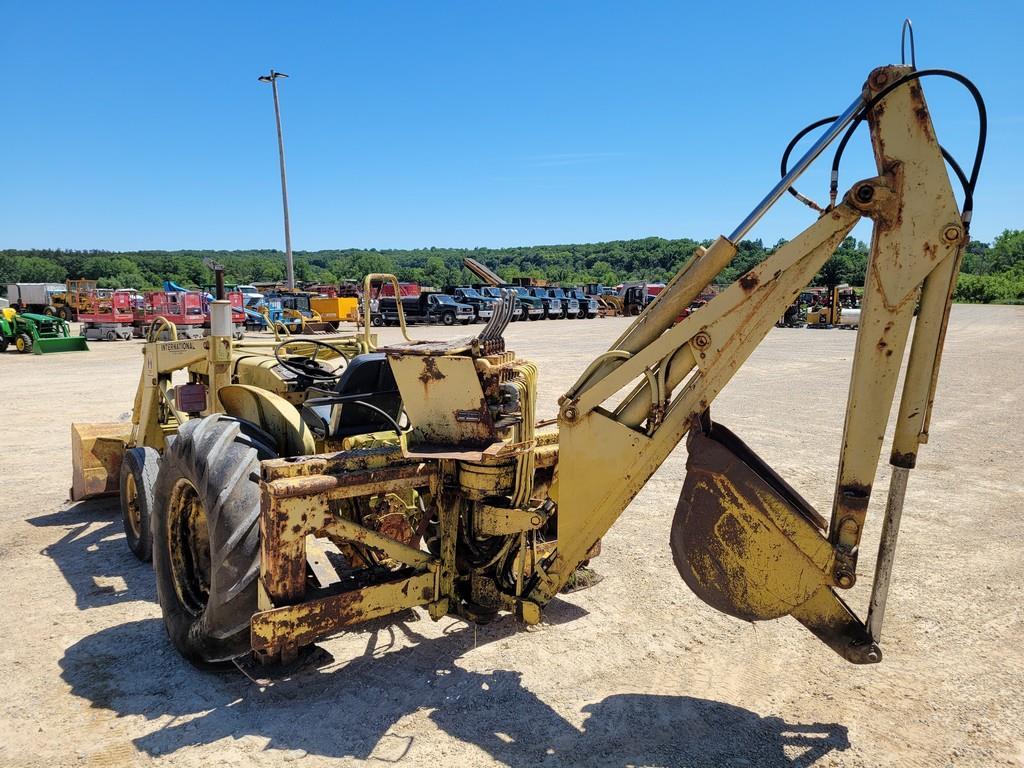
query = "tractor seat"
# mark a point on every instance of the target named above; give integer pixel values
(365, 399)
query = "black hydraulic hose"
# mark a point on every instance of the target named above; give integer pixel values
(971, 180)
(967, 182)
(784, 165)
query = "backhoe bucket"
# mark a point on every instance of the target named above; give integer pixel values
(96, 452)
(749, 545)
(59, 344)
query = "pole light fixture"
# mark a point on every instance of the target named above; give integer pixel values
(272, 79)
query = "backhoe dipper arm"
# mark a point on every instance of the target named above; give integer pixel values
(743, 539)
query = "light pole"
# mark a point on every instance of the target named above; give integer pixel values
(272, 79)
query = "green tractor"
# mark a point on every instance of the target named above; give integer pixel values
(40, 334)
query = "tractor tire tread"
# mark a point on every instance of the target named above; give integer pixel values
(220, 456)
(144, 463)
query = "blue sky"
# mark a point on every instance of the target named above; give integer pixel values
(142, 125)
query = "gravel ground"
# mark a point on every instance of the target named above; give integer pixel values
(636, 671)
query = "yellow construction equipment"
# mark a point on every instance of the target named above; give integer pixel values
(224, 376)
(334, 310)
(424, 472)
(833, 313)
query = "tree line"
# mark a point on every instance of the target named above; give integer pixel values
(991, 272)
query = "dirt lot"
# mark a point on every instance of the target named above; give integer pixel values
(636, 671)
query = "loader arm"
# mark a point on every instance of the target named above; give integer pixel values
(743, 539)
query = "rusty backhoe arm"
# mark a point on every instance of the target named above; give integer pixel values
(743, 539)
(470, 507)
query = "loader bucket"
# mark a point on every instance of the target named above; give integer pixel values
(750, 546)
(59, 344)
(314, 327)
(96, 451)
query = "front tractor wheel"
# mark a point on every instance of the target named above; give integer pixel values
(139, 469)
(23, 343)
(206, 539)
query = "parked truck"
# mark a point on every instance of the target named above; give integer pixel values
(570, 305)
(425, 308)
(552, 305)
(34, 297)
(482, 305)
(588, 306)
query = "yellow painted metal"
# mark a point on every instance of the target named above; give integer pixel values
(444, 400)
(96, 452)
(272, 412)
(918, 233)
(291, 626)
(492, 483)
(368, 282)
(335, 309)
(489, 520)
(246, 371)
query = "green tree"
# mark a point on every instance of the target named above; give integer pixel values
(1007, 251)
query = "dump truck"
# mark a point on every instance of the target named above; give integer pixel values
(461, 503)
(569, 303)
(39, 334)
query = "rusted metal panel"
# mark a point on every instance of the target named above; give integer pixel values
(296, 625)
(367, 482)
(445, 402)
(331, 464)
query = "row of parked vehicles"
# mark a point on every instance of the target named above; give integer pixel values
(469, 304)
(127, 313)
(124, 313)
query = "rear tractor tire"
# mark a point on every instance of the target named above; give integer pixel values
(206, 538)
(139, 469)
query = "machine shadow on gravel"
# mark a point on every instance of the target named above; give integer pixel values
(93, 556)
(354, 710)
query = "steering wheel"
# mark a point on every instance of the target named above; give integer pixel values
(310, 367)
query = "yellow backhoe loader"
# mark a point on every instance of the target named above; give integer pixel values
(459, 503)
(221, 376)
